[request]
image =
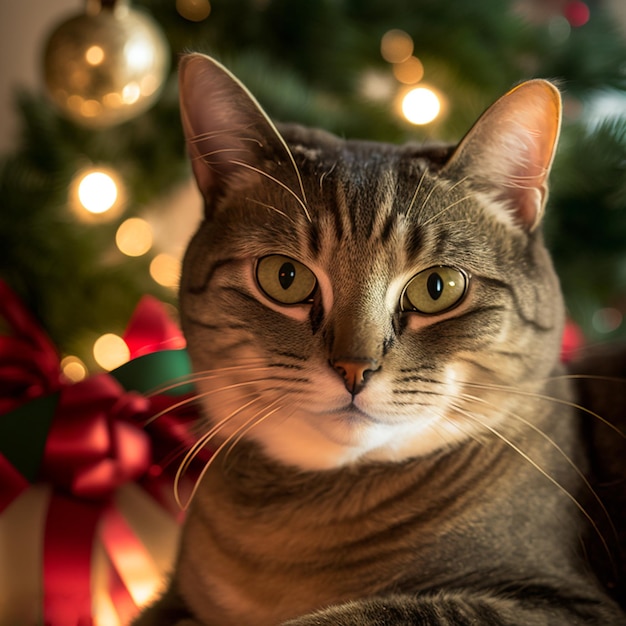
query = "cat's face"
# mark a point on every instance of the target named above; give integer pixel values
(351, 300)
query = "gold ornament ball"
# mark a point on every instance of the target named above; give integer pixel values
(106, 66)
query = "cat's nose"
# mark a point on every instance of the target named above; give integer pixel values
(355, 372)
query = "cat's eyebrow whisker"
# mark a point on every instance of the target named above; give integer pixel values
(471, 416)
(327, 173)
(447, 208)
(417, 189)
(278, 182)
(429, 194)
(272, 208)
(554, 445)
(255, 418)
(432, 190)
(540, 396)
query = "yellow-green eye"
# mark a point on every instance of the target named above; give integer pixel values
(435, 290)
(285, 280)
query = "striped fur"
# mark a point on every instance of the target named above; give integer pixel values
(377, 464)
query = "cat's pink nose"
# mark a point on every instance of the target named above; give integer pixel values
(355, 372)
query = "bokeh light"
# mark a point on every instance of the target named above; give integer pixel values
(110, 351)
(97, 191)
(134, 237)
(421, 105)
(94, 55)
(559, 29)
(165, 270)
(410, 71)
(73, 369)
(396, 46)
(577, 13)
(194, 10)
(607, 320)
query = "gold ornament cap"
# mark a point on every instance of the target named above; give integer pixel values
(106, 65)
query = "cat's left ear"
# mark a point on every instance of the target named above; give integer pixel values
(508, 153)
(229, 136)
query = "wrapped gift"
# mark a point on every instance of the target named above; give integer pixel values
(88, 518)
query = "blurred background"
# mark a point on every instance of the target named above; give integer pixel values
(96, 201)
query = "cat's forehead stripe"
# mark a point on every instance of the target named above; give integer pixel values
(364, 206)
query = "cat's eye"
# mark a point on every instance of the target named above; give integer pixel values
(285, 280)
(435, 290)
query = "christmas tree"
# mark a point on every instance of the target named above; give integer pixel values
(353, 67)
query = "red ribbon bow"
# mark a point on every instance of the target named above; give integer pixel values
(96, 443)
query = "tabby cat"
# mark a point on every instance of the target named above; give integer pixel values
(376, 334)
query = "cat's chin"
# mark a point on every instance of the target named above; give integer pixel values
(324, 442)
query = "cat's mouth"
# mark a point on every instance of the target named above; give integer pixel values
(352, 413)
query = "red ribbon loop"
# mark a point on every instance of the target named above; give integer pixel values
(91, 449)
(29, 363)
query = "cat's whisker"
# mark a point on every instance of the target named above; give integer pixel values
(555, 446)
(255, 418)
(540, 396)
(483, 424)
(272, 208)
(429, 194)
(198, 396)
(213, 431)
(435, 186)
(445, 435)
(458, 183)
(278, 182)
(327, 173)
(417, 190)
(249, 425)
(447, 208)
(200, 375)
(606, 379)
(204, 440)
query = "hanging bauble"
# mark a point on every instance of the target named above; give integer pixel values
(107, 64)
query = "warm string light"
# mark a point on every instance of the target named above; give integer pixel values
(396, 46)
(194, 10)
(96, 193)
(134, 237)
(419, 105)
(110, 351)
(165, 270)
(409, 72)
(73, 369)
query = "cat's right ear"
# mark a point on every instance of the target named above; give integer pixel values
(228, 135)
(508, 153)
